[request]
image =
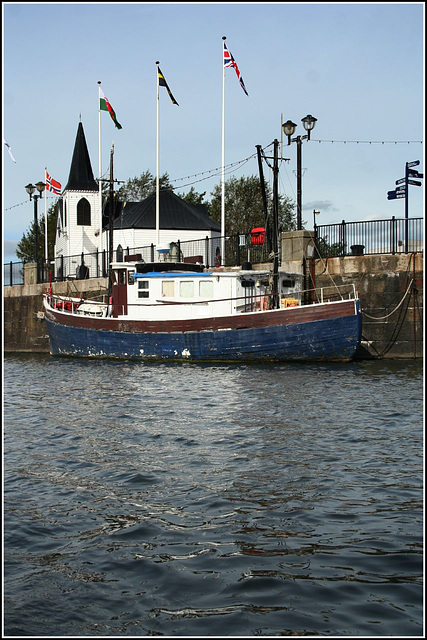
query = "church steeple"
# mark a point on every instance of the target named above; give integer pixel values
(81, 174)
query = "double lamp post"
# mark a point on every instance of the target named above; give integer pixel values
(30, 188)
(289, 127)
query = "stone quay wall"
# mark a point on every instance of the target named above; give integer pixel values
(390, 289)
(24, 326)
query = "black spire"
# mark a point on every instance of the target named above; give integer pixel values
(81, 175)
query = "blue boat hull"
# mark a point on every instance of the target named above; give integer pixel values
(330, 339)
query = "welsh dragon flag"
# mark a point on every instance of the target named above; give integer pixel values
(104, 105)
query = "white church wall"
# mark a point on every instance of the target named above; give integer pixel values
(140, 238)
(74, 239)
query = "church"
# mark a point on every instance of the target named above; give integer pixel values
(82, 228)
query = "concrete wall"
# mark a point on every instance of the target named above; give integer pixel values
(391, 294)
(24, 327)
(392, 321)
(390, 289)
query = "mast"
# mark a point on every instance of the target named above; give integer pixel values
(99, 170)
(264, 198)
(157, 162)
(111, 220)
(46, 257)
(276, 226)
(223, 159)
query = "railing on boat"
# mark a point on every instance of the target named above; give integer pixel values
(321, 295)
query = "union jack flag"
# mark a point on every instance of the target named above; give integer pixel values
(53, 185)
(229, 61)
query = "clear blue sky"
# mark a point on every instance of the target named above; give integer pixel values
(358, 68)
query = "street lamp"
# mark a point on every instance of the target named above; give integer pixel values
(309, 122)
(315, 213)
(30, 188)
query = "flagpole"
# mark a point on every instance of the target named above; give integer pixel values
(99, 170)
(223, 161)
(157, 165)
(45, 216)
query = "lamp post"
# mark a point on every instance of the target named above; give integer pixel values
(315, 213)
(289, 127)
(40, 186)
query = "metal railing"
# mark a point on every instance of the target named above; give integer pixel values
(370, 237)
(13, 273)
(252, 303)
(238, 250)
(346, 238)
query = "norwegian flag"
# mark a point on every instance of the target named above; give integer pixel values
(53, 185)
(229, 61)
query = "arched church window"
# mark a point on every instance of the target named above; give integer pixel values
(119, 253)
(83, 212)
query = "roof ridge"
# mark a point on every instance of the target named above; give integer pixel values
(175, 213)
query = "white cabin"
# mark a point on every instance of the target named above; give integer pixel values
(162, 291)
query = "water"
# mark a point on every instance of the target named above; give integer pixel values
(190, 500)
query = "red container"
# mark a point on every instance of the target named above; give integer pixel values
(258, 235)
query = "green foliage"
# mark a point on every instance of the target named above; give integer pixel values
(25, 247)
(138, 188)
(244, 206)
(194, 198)
(326, 250)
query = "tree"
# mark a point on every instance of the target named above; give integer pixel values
(138, 188)
(25, 247)
(326, 250)
(244, 206)
(194, 198)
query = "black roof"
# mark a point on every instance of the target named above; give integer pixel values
(81, 175)
(174, 213)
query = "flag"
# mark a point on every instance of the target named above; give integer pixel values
(229, 61)
(163, 83)
(10, 150)
(52, 185)
(104, 105)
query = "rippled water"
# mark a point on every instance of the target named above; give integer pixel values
(190, 500)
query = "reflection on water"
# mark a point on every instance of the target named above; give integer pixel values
(180, 499)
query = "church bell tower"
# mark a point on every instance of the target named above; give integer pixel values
(79, 219)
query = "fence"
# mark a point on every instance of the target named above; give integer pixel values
(13, 273)
(238, 250)
(346, 238)
(370, 237)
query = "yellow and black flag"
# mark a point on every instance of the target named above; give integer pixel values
(163, 83)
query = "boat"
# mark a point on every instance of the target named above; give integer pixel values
(176, 311)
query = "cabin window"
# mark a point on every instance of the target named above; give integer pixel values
(143, 289)
(168, 288)
(131, 279)
(206, 288)
(186, 289)
(121, 276)
(288, 283)
(83, 212)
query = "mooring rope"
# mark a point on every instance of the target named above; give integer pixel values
(395, 309)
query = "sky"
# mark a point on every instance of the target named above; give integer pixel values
(357, 67)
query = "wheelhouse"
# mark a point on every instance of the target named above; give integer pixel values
(193, 291)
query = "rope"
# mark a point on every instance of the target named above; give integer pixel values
(395, 309)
